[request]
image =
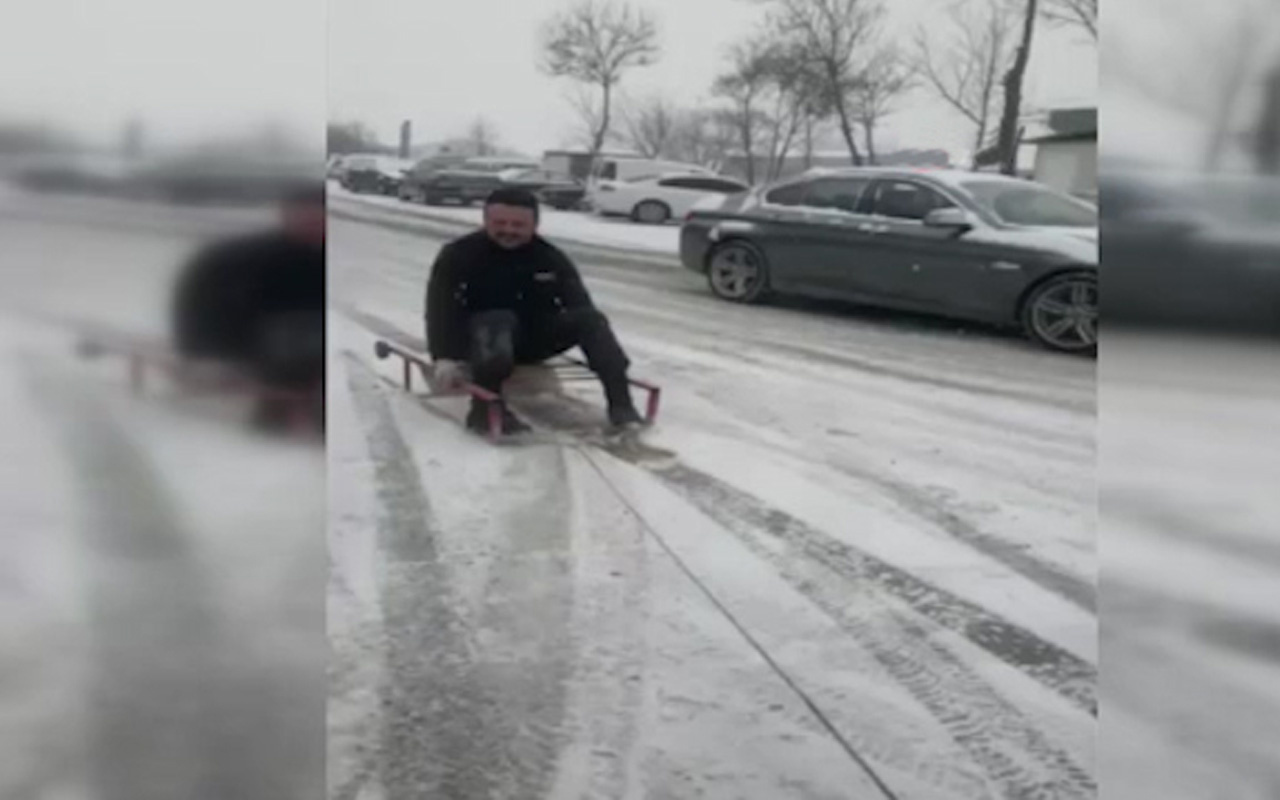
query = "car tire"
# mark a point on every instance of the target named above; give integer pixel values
(738, 272)
(1061, 313)
(651, 212)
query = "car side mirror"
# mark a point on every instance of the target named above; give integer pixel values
(954, 219)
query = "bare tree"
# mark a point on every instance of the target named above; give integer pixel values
(482, 137)
(1009, 136)
(595, 43)
(835, 36)
(798, 100)
(586, 116)
(885, 79)
(745, 86)
(1266, 135)
(704, 137)
(652, 124)
(1082, 14)
(352, 137)
(1209, 59)
(966, 70)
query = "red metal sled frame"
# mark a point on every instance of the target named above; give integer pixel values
(142, 356)
(570, 369)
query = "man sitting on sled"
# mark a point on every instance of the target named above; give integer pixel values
(504, 296)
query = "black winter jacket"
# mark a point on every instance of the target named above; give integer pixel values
(473, 275)
(232, 288)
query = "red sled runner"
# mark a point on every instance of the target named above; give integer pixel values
(301, 408)
(552, 373)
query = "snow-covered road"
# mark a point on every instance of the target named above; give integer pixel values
(161, 626)
(869, 573)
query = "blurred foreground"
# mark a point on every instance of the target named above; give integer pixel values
(162, 633)
(1189, 377)
(1191, 568)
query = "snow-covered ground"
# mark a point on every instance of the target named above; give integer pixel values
(869, 571)
(160, 612)
(1191, 625)
(568, 226)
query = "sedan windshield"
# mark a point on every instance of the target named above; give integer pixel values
(1031, 204)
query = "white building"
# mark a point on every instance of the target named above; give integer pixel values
(1067, 153)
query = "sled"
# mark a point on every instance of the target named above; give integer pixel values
(146, 358)
(548, 377)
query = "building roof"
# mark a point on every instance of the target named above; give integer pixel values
(1068, 125)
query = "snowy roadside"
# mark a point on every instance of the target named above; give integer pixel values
(160, 219)
(564, 227)
(922, 576)
(163, 618)
(750, 667)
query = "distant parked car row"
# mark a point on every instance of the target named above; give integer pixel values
(366, 174)
(195, 177)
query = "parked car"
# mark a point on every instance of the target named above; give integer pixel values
(656, 200)
(78, 174)
(373, 174)
(983, 247)
(236, 178)
(555, 190)
(621, 169)
(1191, 251)
(469, 182)
(333, 170)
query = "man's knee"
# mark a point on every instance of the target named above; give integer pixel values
(598, 341)
(493, 346)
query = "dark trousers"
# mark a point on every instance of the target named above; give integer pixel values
(500, 341)
(289, 350)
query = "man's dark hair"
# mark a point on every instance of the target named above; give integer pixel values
(520, 198)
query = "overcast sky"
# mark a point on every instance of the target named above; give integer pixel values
(392, 60)
(192, 68)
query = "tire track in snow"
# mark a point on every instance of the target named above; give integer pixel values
(919, 504)
(172, 696)
(439, 736)
(1052, 666)
(1016, 756)
(704, 330)
(492, 695)
(1065, 673)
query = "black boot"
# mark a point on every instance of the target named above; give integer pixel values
(478, 419)
(622, 411)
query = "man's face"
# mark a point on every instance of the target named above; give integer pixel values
(510, 227)
(305, 222)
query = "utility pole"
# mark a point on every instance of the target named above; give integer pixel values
(406, 138)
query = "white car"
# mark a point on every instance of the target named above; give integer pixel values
(660, 199)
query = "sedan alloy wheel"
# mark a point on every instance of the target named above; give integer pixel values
(737, 272)
(1063, 314)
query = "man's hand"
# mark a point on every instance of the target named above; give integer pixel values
(447, 375)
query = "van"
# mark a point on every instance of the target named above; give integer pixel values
(622, 170)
